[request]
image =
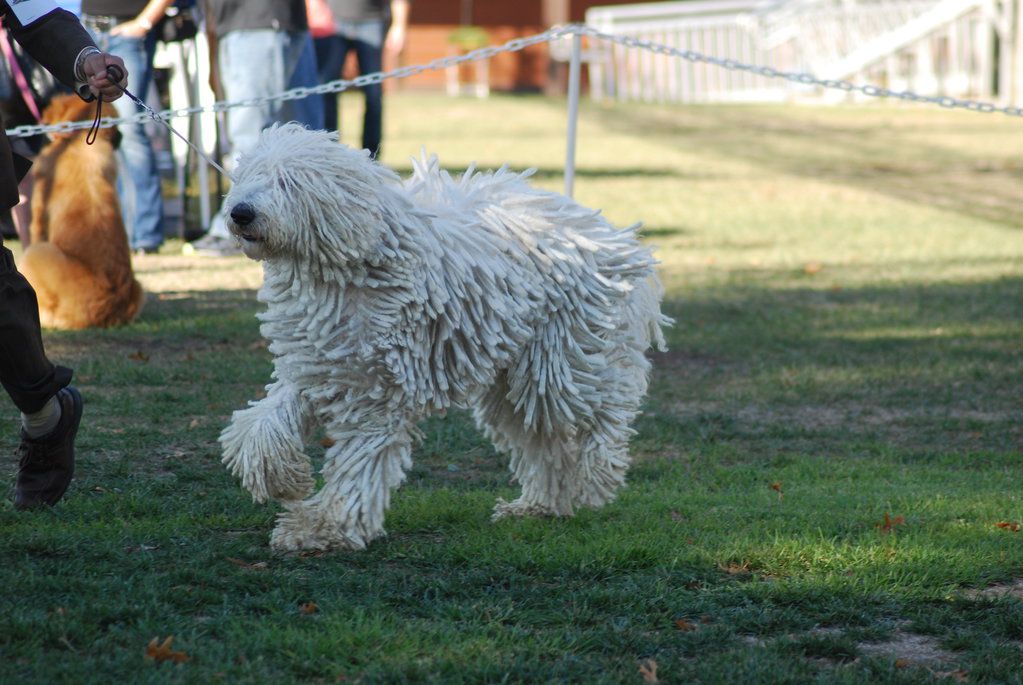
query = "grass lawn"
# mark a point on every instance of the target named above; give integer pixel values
(848, 289)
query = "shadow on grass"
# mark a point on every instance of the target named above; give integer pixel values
(928, 367)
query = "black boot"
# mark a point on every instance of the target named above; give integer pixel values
(46, 464)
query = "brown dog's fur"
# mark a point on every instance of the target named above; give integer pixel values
(79, 261)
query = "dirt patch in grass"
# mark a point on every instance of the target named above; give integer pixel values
(852, 416)
(909, 649)
(1012, 589)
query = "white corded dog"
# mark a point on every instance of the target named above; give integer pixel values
(388, 301)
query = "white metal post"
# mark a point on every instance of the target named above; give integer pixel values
(573, 111)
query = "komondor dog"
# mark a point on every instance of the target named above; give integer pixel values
(388, 301)
(78, 261)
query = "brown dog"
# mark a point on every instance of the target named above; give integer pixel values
(78, 261)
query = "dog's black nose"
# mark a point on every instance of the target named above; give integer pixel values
(242, 214)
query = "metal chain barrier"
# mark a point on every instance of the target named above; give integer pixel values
(517, 44)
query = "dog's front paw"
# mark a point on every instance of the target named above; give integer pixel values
(520, 508)
(268, 460)
(301, 530)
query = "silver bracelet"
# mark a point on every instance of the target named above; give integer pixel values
(80, 62)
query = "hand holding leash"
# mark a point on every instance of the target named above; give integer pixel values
(104, 76)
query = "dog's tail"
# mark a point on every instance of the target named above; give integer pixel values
(642, 314)
(120, 305)
(136, 298)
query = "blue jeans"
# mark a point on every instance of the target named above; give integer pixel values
(258, 63)
(366, 38)
(138, 179)
(307, 111)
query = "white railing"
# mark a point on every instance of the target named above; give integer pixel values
(712, 27)
(939, 47)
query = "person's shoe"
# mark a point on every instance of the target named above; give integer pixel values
(46, 464)
(213, 246)
(143, 251)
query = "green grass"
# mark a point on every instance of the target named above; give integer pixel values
(848, 289)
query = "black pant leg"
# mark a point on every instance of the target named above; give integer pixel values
(25, 372)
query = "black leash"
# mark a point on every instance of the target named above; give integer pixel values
(116, 74)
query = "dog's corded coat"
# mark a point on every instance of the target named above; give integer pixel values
(390, 301)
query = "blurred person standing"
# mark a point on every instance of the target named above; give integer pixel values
(262, 48)
(369, 28)
(124, 28)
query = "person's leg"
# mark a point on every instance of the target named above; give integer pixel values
(236, 53)
(25, 372)
(369, 50)
(330, 57)
(50, 409)
(307, 111)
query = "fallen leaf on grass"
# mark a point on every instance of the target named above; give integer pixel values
(139, 356)
(889, 523)
(1009, 525)
(675, 516)
(648, 669)
(161, 651)
(811, 268)
(258, 565)
(901, 663)
(959, 675)
(326, 443)
(194, 423)
(684, 625)
(776, 486)
(734, 569)
(308, 608)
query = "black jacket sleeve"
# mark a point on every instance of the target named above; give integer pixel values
(54, 40)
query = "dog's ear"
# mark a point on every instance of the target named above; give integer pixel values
(66, 108)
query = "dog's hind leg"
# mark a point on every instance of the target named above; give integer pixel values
(543, 462)
(263, 445)
(361, 468)
(604, 442)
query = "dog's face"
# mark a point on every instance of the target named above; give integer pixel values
(302, 196)
(73, 108)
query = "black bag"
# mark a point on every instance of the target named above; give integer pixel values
(181, 22)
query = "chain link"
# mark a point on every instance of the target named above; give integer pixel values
(516, 44)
